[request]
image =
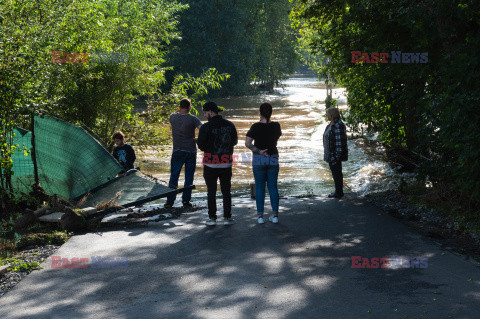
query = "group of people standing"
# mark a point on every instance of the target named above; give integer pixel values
(217, 139)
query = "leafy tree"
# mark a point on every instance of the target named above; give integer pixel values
(273, 41)
(252, 40)
(44, 67)
(427, 107)
(213, 37)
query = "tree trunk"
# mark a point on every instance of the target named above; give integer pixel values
(415, 90)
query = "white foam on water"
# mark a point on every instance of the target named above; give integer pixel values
(297, 107)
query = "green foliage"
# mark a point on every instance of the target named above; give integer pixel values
(99, 95)
(251, 40)
(273, 41)
(430, 108)
(37, 239)
(36, 34)
(212, 36)
(308, 56)
(330, 102)
(20, 265)
(7, 227)
(7, 247)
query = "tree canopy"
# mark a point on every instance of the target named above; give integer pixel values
(252, 40)
(85, 61)
(431, 108)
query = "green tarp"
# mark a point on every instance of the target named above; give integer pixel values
(132, 189)
(71, 163)
(22, 179)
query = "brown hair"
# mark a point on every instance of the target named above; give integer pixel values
(185, 104)
(118, 135)
(334, 112)
(266, 111)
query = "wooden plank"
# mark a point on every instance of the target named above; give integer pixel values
(51, 218)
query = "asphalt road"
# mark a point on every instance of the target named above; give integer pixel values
(299, 268)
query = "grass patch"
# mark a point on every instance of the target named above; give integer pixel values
(36, 235)
(39, 239)
(453, 206)
(20, 265)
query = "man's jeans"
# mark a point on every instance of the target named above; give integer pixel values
(178, 159)
(211, 176)
(265, 171)
(337, 176)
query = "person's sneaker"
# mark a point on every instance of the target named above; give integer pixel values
(187, 205)
(211, 222)
(261, 220)
(228, 221)
(168, 205)
(273, 219)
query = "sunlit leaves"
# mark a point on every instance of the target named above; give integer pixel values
(251, 40)
(426, 107)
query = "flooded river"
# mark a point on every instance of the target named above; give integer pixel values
(299, 109)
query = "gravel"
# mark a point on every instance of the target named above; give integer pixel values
(428, 221)
(39, 254)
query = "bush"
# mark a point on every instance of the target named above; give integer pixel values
(330, 102)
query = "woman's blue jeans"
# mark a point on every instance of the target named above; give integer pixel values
(265, 171)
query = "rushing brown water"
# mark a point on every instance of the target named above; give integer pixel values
(300, 110)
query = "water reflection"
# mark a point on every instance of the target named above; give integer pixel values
(300, 110)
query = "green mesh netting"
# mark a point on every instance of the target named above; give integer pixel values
(22, 179)
(128, 190)
(70, 161)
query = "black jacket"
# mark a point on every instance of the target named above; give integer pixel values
(217, 138)
(125, 155)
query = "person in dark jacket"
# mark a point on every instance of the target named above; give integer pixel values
(123, 152)
(335, 149)
(216, 139)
